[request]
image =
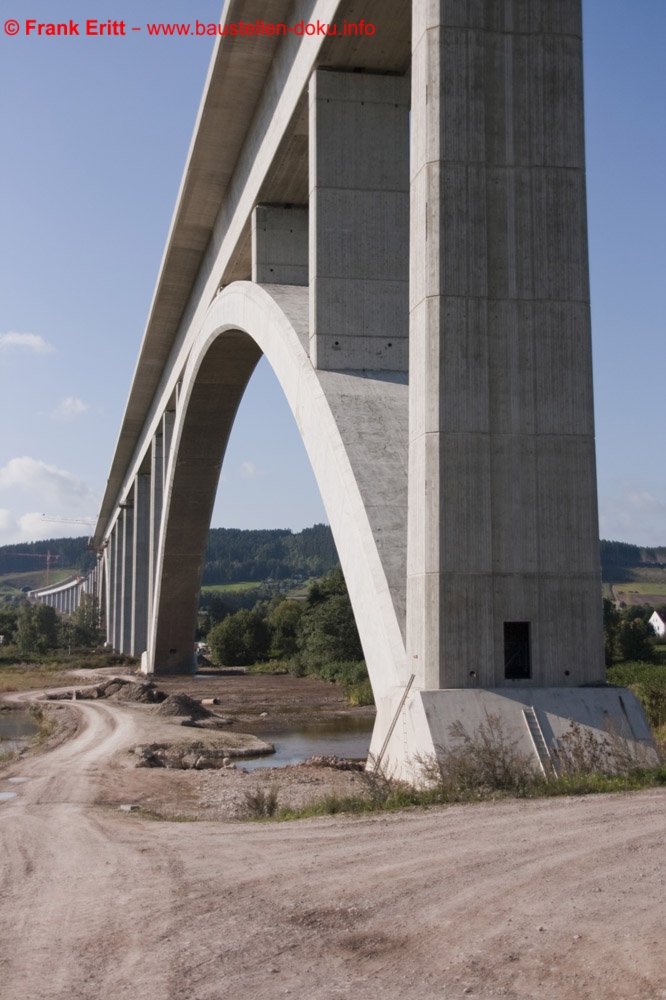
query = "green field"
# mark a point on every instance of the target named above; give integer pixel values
(297, 593)
(226, 588)
(34, 578)
(651, 589)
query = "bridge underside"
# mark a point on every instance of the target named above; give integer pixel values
(365, 211)
(343, 418)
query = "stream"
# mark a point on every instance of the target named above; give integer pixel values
(341, 737)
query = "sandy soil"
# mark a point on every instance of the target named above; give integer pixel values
(558, 899)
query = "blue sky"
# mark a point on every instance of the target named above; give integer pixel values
(95, 133)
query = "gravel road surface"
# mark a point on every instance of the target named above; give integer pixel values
(553, 899)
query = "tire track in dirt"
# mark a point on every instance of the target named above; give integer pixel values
(532, 900)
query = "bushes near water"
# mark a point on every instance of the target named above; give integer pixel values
(487, 764)
(315, 637)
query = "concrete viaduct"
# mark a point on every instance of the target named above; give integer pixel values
(66, 596)
(397, 221)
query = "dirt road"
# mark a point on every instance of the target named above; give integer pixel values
(558, 899)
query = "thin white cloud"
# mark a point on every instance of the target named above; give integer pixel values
(69, 408)
(29, 527)
(250, 471)
(28, 483)
(633, 514)
(25, 342)
(45, 482)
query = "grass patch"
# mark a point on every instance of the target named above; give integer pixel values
(641, 587)
(46, 722)
(360, 693)
(158, 817)
(31, 677)
(35, 578)
(228, 588)
(276, 667)
(49, 670)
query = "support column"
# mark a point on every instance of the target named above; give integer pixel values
(126, 539)
(168, 421)
(105, 595)
(140, 558)
(503, 536)
(156, 490)
(359, 221)
(117, 583)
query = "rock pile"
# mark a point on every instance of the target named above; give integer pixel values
(116, 689)
(337, 763)
(182, 704)
(199, 755)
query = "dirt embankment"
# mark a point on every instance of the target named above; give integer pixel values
(543, 900)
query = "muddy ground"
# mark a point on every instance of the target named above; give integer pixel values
(530, 900)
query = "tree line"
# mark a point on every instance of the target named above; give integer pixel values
(39, 629)
(232, 555)
(628, 634)
(66, 553)
(316, 636)
(619, 558)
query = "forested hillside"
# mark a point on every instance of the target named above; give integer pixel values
(66, 553)
(618, 559)
(232, 555)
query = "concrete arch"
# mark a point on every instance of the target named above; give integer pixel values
(354, 428)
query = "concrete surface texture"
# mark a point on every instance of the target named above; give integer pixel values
(349, 245)
(503, 513)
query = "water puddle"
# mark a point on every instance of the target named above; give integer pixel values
(16, 728)
(339, 738)
(7, 795)
(18, 780)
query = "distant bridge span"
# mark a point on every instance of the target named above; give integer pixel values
(359, 208)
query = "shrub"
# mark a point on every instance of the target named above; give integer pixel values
(648, 682)
(636, 638)
(261, 803)
(582, 751)
(477, 764)
(343, 671)
(240, 640)
(327, 632)
(360, 694)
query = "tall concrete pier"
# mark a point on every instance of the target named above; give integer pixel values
(420, 289)
(503, 564)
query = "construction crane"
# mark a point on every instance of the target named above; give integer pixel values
(48, 555)
(70, 520)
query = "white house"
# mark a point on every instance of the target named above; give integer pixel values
(658, 623)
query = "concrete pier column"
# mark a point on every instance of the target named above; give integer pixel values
(117, 583)
(168, 421)
(280, 245)
(359, 221)
(156, 492)
(105, 591)
(503, 551)
(140, 557)
(125, 574)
